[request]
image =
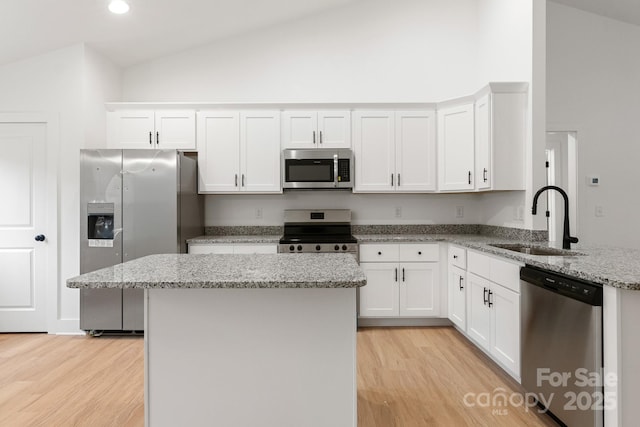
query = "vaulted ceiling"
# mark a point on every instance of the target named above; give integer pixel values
(155, 28)
(151, 29)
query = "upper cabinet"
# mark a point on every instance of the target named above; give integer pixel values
(160, 129)
(239, 151)
(481, 141)
(395, 151)
(316, 129)
(500, 134)
(456, 148)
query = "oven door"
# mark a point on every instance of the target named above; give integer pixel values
(319, 168)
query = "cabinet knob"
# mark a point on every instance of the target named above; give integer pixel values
(419, 252)
(379, 253)
(455, 257)
(40, 238)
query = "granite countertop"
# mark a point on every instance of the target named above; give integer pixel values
(611, 266)
(617, 267)
(228, 271)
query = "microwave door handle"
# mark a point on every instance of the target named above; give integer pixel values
(335, 170)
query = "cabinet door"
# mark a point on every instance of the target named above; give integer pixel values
(483, 142)
(478, 311)
(379, 297)
(374, 151)
(299, 129)
(505, 327)
(334, 129)
(457, 297)
(260, 151)
(218, 151)
(130, 129)
(415, 151)
(418, 289)
(455, 148)
(175, 129)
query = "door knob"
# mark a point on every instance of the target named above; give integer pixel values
(40, 238)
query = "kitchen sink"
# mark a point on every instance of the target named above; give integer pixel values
(535, 250)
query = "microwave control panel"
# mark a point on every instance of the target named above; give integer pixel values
(344, 170)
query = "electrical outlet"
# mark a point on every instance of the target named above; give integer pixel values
(258, 213)
(599, 211)
(459, 211)
(398, 212)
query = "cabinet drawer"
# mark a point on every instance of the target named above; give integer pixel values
(210, 249)
(458, 256)
(419, 252)
(379, 253)
(255, 249)
(499, 271)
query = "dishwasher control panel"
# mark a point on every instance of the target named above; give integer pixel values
(581, 290)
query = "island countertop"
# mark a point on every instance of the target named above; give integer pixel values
(228, 271)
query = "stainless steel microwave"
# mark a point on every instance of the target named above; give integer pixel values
(320, 168)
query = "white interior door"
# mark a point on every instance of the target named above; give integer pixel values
(561, 171)
(23, 260)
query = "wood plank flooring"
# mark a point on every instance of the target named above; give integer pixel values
(406, 377)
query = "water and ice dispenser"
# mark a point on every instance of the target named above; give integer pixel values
(100, 223)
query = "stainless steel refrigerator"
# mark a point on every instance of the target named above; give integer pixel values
(133, 203)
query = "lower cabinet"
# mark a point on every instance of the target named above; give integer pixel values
(215, 248)
(484, 303)
(493, 320)
(458, 296)
(493, 308)
(402, 280)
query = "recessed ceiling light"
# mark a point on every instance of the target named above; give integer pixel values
(118, 6)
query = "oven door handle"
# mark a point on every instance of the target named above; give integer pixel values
(335, 170)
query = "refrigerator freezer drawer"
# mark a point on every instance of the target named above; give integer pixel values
(100, 309)
(133, 309)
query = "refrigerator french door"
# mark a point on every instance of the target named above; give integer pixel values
(133, 203)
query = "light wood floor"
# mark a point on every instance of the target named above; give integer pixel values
(406, 377)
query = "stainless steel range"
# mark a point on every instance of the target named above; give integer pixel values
(319, 231)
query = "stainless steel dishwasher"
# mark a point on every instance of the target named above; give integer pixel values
(561, 343)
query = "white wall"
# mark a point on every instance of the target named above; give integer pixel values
(593, 76)
(102, 82)
(367, 51)
(53, 83)
(224, 210)
(506, 50)
(401, 51)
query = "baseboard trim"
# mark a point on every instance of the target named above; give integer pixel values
(402, 321)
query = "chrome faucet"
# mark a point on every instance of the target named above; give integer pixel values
(566, 237)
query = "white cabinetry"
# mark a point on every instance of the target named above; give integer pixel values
(500, 133)
(160, 129)
(456, 148)
(316, 129)
(239, 151)
(402, 280)
(457, 287)
(493, 308)
(395, 151)
(215, 248)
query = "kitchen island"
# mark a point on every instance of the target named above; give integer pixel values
(245, 340)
